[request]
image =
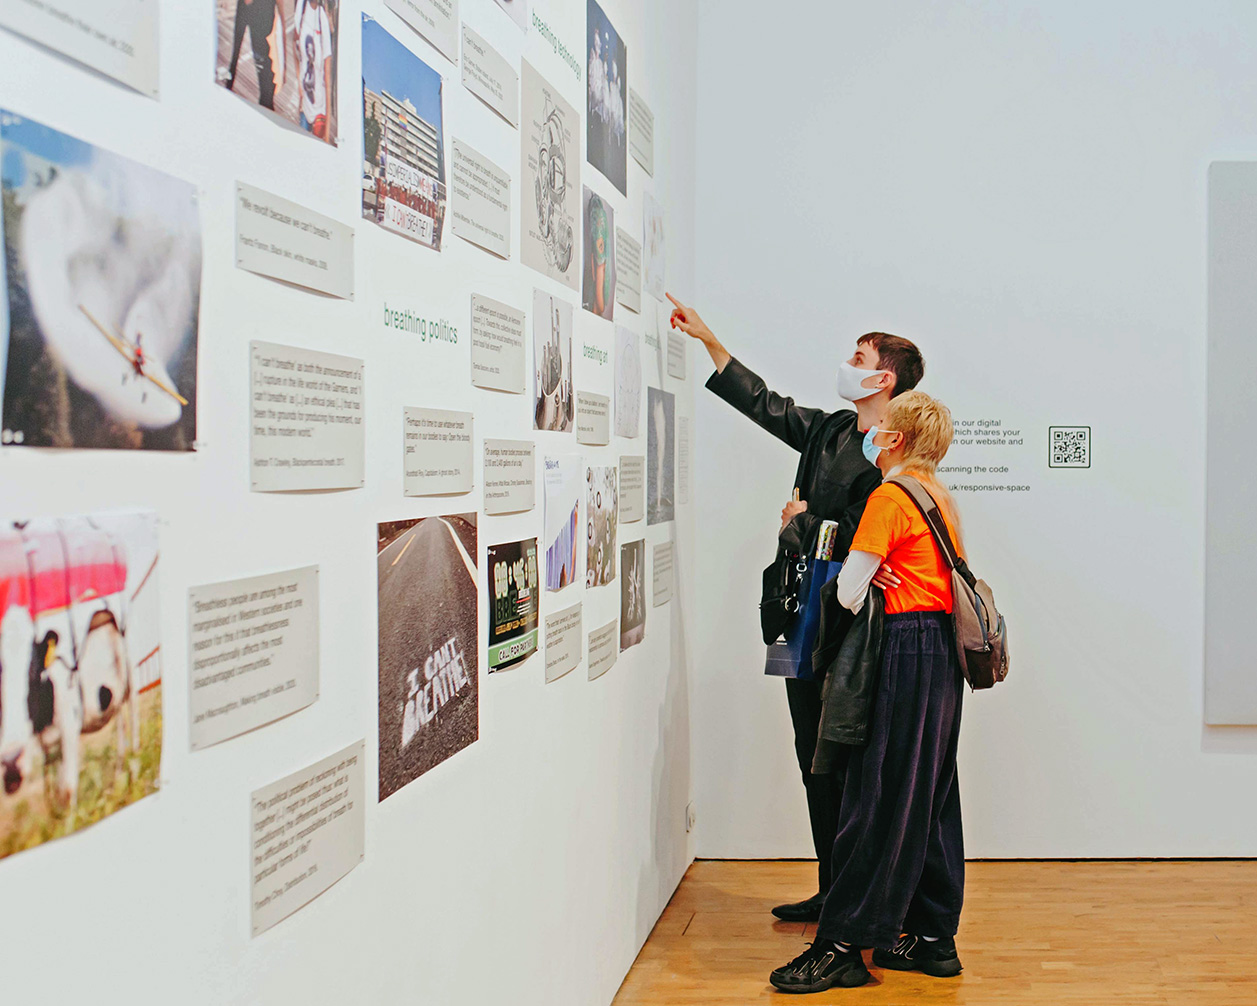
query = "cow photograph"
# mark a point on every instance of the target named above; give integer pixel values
(80, 672)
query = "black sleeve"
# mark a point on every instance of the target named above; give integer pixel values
(747, 393)
(861, 489)
(799, 536)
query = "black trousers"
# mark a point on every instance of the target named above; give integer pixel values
(259, 18)
(899, 856)
(824, 792)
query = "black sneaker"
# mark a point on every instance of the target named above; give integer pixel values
(936, 958)
(821, 966)
(801, 911)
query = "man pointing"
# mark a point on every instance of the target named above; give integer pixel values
(832, 483)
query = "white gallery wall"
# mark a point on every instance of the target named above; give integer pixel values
(1021, 189)
(530, 867)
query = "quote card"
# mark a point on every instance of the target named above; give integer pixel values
(632, 487)
(306, 430)
(642, 132)
(628, 271)
(510, 483)
(306, 831)
(480, 204)
(253, 651)
(676, 356)
(438, 452)
(604, 648)
(488, 75)
(119, 38)
(683, 460)
(593, 419)
(285, 241)
(497, 346)
(435, 20)
(662, 573)
(563, 642)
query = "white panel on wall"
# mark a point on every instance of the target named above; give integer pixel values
(1230, 481)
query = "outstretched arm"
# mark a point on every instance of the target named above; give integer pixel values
(688, 321)
(743, 389)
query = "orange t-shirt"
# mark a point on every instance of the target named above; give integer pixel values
(893, 528)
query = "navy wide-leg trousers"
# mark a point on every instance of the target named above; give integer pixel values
(899, 860)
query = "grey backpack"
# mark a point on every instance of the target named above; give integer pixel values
(981, 635)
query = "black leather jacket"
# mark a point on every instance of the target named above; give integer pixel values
(833, 476)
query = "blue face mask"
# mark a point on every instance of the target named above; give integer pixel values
(871, 451)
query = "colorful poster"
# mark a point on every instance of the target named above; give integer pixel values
(606, 98)
(403, 141)
(80, 672)
(101, 307)
(632, 593)
(562, 495)
(660, 456)
(549, 179)
(602, 519)
(514, 602)
(598, 289)
(429, 706)
(290, 66)
(555, 404)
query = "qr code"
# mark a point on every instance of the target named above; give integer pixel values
(1069, 446)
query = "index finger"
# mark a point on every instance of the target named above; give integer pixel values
(674, 300)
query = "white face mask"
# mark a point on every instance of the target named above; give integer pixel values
(850, 380)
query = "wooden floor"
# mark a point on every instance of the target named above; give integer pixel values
(1094, 933)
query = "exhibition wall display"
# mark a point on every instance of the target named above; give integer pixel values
(293, 341)
(1047, 248)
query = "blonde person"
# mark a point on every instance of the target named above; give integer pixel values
(898, 859)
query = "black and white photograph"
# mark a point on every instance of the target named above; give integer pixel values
(602, 517)
(554, 404)
(632, 593)
(660, 456)
(606, 90)
(429, 699)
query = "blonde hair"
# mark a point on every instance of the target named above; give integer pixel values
(926, 426)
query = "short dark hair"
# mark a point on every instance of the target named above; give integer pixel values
(899, 356)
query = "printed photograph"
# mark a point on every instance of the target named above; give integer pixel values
(660, 456)
(518, 9)
(628, 383)
(403, 141)
(602, 516)
(80, 672)
(102, 299)
(652, 247)
(549, 179)
(562, 502)
(632, 593)
(555, 404)
(289, 65)
(514, 602)
(606, 98)
(598, 289)
(429, 661)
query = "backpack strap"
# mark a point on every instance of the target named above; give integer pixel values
(934, 521)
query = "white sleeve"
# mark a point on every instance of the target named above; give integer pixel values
(857, 573)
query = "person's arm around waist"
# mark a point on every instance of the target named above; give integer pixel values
(855, 577)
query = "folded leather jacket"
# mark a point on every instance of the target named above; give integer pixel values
(847, 659)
